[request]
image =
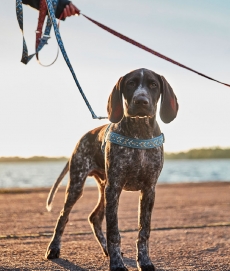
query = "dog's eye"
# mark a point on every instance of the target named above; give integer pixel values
(152, 85)
(132, 84)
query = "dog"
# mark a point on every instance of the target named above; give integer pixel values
(131, 110)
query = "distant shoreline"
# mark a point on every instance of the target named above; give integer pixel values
(32, 159)
(205, 153)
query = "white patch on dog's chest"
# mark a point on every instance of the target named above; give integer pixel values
(142, 157)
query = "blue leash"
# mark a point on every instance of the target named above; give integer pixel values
(62, 48)
(51, 20)
(19, 11)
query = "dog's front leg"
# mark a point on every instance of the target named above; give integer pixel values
(146, 203)
(112, 194)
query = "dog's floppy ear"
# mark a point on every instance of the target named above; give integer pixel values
(169, 105)
(115, 104)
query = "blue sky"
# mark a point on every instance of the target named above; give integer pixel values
(41, 110)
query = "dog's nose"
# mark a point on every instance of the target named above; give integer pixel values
(141, 100)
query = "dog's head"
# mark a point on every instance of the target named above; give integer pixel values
(136, 95)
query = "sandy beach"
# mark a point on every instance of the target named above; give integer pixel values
(190, 229)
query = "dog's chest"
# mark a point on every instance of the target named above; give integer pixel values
(138, 167)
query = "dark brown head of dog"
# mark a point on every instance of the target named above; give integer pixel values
(141, 90)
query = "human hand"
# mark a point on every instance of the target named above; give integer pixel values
(69, 10)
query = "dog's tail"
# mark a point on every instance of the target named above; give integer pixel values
(55, 186)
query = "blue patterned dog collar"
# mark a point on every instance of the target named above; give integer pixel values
(142, 144)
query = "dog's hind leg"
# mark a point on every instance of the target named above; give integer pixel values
(74, 191)
(97, 215)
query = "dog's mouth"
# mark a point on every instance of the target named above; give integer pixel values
(140, 116)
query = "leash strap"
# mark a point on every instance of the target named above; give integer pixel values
(51, 7)
(39, 43)
(42, 14)
(105, 138)
(139, 45)
(62, 48)
(41, 19)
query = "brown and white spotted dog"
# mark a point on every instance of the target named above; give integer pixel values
(132, 109)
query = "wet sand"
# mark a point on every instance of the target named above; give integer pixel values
(190, 229)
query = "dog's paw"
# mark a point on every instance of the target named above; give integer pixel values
(52, 253)
(149, 267)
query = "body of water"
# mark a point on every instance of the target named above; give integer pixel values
(43, 174)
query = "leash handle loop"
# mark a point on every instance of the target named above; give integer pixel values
(44, 38)
(19, 12)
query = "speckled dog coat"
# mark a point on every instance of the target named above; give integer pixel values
(132, 110)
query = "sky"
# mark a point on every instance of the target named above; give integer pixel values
(41, 110)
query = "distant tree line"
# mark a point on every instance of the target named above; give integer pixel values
(211, 153)
(33, 159)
